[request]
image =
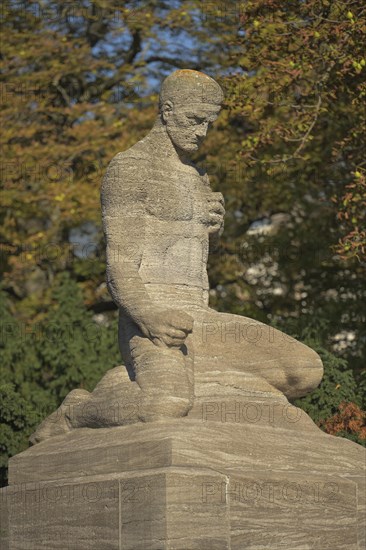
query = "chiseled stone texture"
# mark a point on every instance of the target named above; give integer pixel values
(190, 484)
(151, 509)
(161, 219)
(194, 444)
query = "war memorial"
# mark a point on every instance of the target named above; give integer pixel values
(193, 443)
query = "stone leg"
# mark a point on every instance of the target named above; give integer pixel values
(165, 375)
(233, 343)
(63, 419)
(115, 401)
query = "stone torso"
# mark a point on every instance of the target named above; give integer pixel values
(174, 239)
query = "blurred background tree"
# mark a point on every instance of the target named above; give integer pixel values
(79, 82)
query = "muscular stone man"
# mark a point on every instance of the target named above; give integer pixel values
(159, 214)
(160, 218)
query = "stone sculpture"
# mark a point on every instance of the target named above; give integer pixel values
(201, 447)
(160, 219)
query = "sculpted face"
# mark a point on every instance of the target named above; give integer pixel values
(187, 125)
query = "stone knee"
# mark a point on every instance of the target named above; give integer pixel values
(73, 408)
(303, 371)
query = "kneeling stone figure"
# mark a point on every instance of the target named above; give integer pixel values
(161, 219)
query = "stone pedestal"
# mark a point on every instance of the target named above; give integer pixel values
(193, 483)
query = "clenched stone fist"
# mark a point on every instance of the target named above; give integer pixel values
(167, 328)
(216, 212)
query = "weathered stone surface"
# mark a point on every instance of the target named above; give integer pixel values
(116, 401)
(151, 509)
(167, 443)
(190, 483)
(194, 444)
(161, 218)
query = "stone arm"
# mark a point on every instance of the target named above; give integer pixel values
(123, 200)
(123, 212)
(216, 213)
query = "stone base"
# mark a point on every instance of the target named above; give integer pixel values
(135, 510)
(188, 484)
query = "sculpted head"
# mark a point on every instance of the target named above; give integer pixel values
(189, 102)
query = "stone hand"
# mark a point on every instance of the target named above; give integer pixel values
(168, 328)
(216, 212)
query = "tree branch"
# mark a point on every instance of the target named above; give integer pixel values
(135, 47)
(174, 62)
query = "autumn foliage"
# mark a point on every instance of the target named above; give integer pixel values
(350, 420)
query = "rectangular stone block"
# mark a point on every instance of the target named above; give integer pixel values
(90, 452)
(183, 443)
(189, 485)
(293, 510)
(156, 510)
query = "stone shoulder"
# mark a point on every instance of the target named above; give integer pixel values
(127, 169)
(138, 151)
